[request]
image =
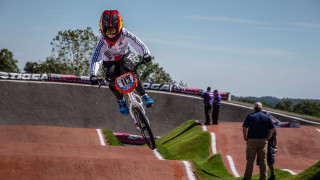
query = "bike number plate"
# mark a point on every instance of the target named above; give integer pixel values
(126, 83)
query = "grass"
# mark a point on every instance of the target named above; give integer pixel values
(111, 139)
(279, 175)
(311, 173)
(212, 168)
(189, 142)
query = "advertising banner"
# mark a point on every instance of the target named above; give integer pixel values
(154, 86)
(69, 78)
(186, 90)
(24, 76)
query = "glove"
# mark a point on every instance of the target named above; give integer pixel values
(93, 80)
(146, 58)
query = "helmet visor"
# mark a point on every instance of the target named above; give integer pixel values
(111, 23)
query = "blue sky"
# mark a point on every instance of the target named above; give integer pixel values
(248, 48)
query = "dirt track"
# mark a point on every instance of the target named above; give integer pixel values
(298, 148)
(39, 152)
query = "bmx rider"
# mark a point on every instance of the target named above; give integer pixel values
(112, 50)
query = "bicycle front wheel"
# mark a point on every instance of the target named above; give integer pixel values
(144, 128)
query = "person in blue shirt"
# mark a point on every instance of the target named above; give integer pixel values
(216, 107)
(258, 128)
(207, 101)
(272, 150)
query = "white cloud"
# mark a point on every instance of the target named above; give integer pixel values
(306, 25)
(265, 52)
(294, 29)
(222, 19)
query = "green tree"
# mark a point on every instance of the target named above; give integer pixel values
(154, 73)
(280, 105)
(288, 105)
(49, 66)
(285, 105)
(7, 63)
(74, 48)
(32, 67)
(307, 107)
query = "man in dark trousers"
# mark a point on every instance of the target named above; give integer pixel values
(272, 150)
(258, 128)
(216, 107)
(207, 100)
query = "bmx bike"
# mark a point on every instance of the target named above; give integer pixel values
(127, 84)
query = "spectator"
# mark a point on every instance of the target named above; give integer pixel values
(207, 100)
(272, 150)
(258, 128)
(216, 107)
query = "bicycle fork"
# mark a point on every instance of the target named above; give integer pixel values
(135, 101)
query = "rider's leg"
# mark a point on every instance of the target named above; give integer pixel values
(112, 70)
(127, 65)
(147, 100)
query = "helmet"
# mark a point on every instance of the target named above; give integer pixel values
(111, 24)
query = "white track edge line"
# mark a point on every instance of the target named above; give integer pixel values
(101, 137)
(213, 143)
(204, 128)
(293, 173)
(318, 130)
(232, 166)
(157, 154)
(189, 170)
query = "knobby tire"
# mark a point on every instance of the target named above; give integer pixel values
(145, 128)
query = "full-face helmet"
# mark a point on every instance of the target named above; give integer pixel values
(111, 24)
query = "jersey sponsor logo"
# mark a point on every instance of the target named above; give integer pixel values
(160, 87)
(24, 76)
(108, 55)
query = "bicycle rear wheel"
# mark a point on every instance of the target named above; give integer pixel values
(145, 129)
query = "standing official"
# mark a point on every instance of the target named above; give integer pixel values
(258, 128)
(216, 107)
(207, 100)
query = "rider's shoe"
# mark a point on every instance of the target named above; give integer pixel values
(123, 107)
(147, 100)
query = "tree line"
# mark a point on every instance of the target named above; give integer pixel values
(71, 54)
(304, 107)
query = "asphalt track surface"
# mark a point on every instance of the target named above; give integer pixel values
(49, 130)
(85, 106)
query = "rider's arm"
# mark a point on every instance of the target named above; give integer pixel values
(96, 58)
(136, 43)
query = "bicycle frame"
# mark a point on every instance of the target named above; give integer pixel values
(127, 84)
(135, 101)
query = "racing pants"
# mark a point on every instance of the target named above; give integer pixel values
(113, 69)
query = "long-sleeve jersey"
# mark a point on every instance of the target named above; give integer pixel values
(105, 52)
